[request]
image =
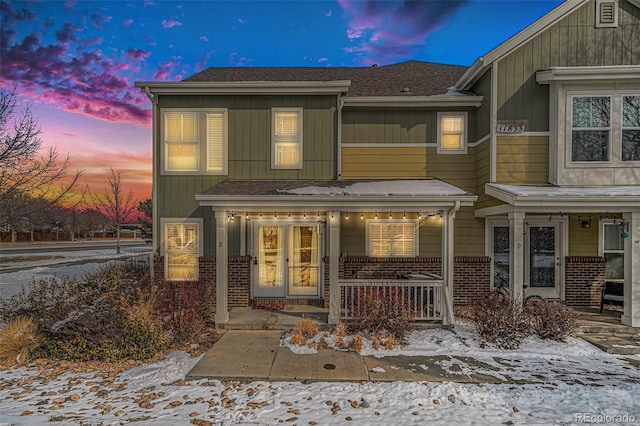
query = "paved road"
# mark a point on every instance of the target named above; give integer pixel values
(64, 246)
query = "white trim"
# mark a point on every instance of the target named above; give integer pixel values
(245, 87)
(414, 101)
(599, 23)
(493, 150)
(464, 135)
(340, 104)
(275, 138)
(479, 141)
(523, 134)
(601, 237)
(390, 145)
(612, 73)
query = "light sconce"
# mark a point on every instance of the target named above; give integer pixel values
(346, 216)
(585, 223)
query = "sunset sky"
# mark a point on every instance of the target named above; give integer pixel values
(75, 62)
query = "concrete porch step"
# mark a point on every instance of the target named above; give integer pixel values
(612, 328)
(615, 343)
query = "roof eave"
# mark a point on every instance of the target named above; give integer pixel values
(343, 202)
(483, 62)
(564, 201)
(590, 73)
(245, 87)
(413, 101)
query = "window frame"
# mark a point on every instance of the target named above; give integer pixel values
(610, 128)
(391, 222)
(275, 139)
(602, 251)
(464, 135)
(164, 223)
(623, 128)
(615, 129)
(202, 150)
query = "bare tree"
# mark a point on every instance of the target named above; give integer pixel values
(23, 174)
(146, 221)
(116, 206)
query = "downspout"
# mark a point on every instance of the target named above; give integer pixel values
(154, 188)
(339, 137)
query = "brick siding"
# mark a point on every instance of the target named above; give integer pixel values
(584, 279)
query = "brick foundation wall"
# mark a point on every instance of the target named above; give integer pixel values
(584, 279)
(239, 277)
(471, 279)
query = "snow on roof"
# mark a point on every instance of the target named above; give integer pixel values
(556, 191)
(427, 188)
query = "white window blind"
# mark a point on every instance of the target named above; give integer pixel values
(287, 139)
(216, 142)
(452, 137)
(395, 239)
(181, 126)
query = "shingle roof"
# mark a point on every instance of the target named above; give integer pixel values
(378, 187)
(421, 78)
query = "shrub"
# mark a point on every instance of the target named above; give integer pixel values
(500, 320)
(304, 330)
(18, 340)
(187, 308)
(552, 320)
(384, 310)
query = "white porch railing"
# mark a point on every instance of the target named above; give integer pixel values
(424, 297)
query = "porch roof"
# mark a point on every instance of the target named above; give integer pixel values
(340, 194)
(546, 198)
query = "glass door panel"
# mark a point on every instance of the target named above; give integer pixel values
(270, 280)
(501, 257)
(304, 261)
(543, 260)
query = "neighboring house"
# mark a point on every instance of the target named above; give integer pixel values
(282, 185)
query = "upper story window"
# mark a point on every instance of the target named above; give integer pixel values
(452, 133)
(391, 238)
(286, 138)
(631, 128)
(195, 142)
(605, 128)
(591, 128)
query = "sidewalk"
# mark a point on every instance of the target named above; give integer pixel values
(252, 355)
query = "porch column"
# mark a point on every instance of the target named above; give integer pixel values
(516, 255)
(631, 316)
(447, 265)
(222, 258)
(333, 218)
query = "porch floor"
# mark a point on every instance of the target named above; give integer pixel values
(606, 322)
(267, 319)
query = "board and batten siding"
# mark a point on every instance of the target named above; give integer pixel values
(573, 41)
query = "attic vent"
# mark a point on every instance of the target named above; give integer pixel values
(606, 14)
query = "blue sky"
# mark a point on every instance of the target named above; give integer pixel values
(76, 62)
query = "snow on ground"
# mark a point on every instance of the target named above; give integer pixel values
(57, 264)
(154, 394)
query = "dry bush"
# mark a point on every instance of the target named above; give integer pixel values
(552, 320)
(500, 320)
(340, 330)
(390, 312)
(304, 330)
(187, 309)
(356, 343)
(18, 340)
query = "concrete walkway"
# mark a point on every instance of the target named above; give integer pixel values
(256, 355)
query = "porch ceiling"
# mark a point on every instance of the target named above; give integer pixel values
(532, 198)
(336, 194)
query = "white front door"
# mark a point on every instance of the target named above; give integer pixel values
(543, 260)
(286, 259)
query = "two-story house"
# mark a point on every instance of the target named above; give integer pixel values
(288, 185)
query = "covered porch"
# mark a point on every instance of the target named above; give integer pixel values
(564, 242)
(271, 220)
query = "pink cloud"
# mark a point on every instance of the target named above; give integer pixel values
(170, 23)
(126, 23)
(166, 68)
(83, 82)
(99, 20)
(386, 32)
(137, 54)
